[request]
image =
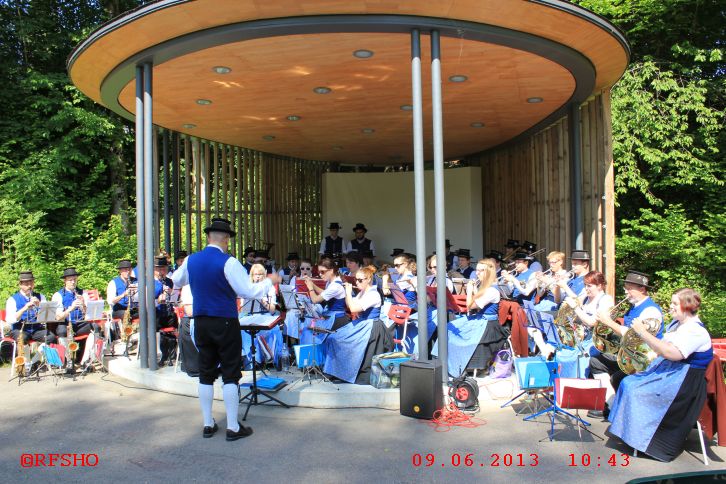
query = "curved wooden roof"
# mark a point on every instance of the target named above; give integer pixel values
(278, 51)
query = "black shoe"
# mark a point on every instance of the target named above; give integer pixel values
(208, 432)
(240, 434)
(606, 412)
(595, 414)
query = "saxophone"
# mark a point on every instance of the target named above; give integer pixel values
(127, 329)
(73, 345)
(603, 337)
(20, 355)
(634, 354)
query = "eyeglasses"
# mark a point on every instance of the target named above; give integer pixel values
(398, 265)
(360, 280)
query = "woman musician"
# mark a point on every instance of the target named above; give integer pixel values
(431, 278)
(595, 300)
(546, 281)
(71, 306)
(332, 298)
(673, 385)
(367, 303)
(405, 266)
(266, 304)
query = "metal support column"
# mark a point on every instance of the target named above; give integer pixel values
(140, 225)
(149, 221)
(439, 204)
(419, 187)
(167, 191)
(573, 120)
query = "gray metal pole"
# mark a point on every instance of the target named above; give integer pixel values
(167, 191)
(140, 249)
(419, 198)
(576, 176)
(149, 216)
(439, 204)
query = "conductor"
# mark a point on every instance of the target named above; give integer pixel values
(217, 279)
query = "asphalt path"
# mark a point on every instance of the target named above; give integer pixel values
(105, 429)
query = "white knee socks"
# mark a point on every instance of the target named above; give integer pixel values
(206, 396)
(230, 391)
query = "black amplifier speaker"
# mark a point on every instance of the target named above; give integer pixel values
(421, 388)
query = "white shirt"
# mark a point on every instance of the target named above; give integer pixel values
(11, 309)
(369, 299)
(57, 298)
(111, 292)
(491, 295)
(431, 280)
(688, 337)
(235, 274)
(187, 300)
(349, 247)
(333, 290)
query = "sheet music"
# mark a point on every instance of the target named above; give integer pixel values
(307, 306)
(94, 310)
(46, 312)
(264, 321)
(288, 296)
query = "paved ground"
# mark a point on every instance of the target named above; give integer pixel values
(146, 436)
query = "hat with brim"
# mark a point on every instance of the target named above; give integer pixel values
(529, 246)
(448, 243)
(262, 254)
(293, 256)
(496, 255)
(334, 226)
(512, 244)
(160, 262)
(180, 254)
(124, 264)
(69, 272)
(639, 278)
(522, 256)
(463, 253)
(26, 276)
(360, 226)
(396, 252)
(220, 225)
(580, 255)
(249, 250)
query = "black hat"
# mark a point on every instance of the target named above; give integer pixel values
(580, 255)
(180, 254)
(293, 256)
(262, 253)
(463, 253)
(249, 250)
(68, 272)
(26, 276)
(448, 243)
(523, 256)
(639, 278)
(220, 225)
(360, 226)
(496, 255)
(368, 253)
(529, 246)
(396, 252)
(334, 226)
(512, 244)
(124, 264)
(160, 261)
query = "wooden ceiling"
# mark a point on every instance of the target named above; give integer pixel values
(273, 77)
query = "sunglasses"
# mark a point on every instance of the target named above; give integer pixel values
(306, 268)
(324, 271)
(360, 280)
(398, 265)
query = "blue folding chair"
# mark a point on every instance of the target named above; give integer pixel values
(53, 362)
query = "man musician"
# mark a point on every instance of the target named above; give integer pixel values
(360, 243)
(21, 311)
(293, 267)
(121, 289)
(332, 244)
(217, 280)
(71, 306)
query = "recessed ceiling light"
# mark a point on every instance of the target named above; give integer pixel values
(406, 107)
(189, 126)
(458, 78)
(363, 54)
(293, 117)
(268, 137)
(322, 90)
(368, 130)
(534, 100)
(477, 125)
(221, 69)
(337, 148)
(204, 102)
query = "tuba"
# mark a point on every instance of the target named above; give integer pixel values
(569, 328)
(603, 337)
(635, 355)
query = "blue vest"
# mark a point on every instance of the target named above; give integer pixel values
(68, 297)
(490, 312)
(161, 309)
(467, 272)
(523, 278)
(212, 294)
(29, 316)
(121, 286)
(577, 285)
(636, 311)
(335, 305)
(333, 246)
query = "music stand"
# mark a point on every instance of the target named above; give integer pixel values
(313, 369)
(254, 324)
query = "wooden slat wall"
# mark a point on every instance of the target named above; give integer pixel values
(526, 189)
(268, 198)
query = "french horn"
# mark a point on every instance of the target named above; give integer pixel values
(634, 354)
(569, 328)
(603, 337)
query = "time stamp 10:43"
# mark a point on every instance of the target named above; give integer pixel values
(514, 460)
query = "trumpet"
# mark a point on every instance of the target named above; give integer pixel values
(502, 279)
(603, 337)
